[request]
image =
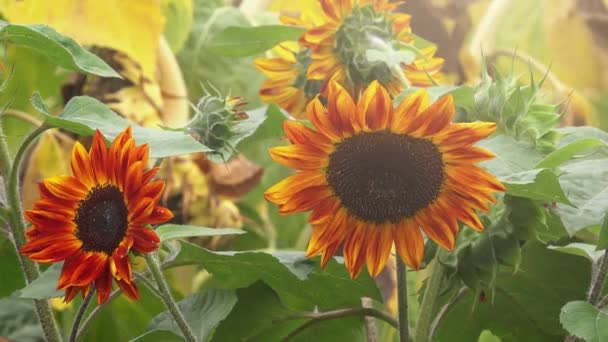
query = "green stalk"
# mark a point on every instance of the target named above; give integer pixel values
(167, 298)
(17, 226)
(404, 335)
(429, 300)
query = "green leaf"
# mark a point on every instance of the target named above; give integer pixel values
(602, 242)
(601, 325)
(62, 50)
(584, 320)
(583, 249)
(538, 184)
(203, 312)
(512, 156)
(19, 321)
(158, 335)
(83, 115)
(12, 275)
(565, 153)
(487, 336)
(259, 316)
(586, 183)
(546, 280)
(237, 41)
(177, 231)
(122, 319)
(45, 286)
(229, 75)
(285, 271)
(572, 134)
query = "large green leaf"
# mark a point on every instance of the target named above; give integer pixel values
(584, 320)
(537, 184)
(45, 286)
(237, 41)
(585, 181)
(60, 49)
(286, 272)
(260, 316)
(230, 75)
(18, 320)
(123, 319)
(203, 312)
(158, 335)
(567, 152)
(525, 305)
(178, 231)
(83, 115)
(12, 275)
(512, 156)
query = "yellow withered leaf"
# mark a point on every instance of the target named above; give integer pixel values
(133, 27)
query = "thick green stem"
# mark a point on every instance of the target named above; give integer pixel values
(599, 278)
(167, 298)
(17, 226)
(404, 334)
(429, 300)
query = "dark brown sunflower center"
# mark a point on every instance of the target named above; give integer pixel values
(102, 219)
(383, 177)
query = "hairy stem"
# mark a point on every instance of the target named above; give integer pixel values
(80, 314)
(17, 226)
(167, 298)
(598, 280)
(429, 300)
(404, 334)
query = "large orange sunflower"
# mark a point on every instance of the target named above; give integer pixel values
(347, 29)
(91, 220)
(373, 175)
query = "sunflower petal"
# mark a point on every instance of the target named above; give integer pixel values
(375, 108)
(409, 243)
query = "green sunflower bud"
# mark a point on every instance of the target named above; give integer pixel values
(214, 120)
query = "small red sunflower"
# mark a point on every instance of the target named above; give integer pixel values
(373, 175)
(91, 220)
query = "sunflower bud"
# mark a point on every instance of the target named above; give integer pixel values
(214, 119)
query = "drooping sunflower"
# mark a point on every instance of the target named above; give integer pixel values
(340, 42)
(92, 219)
(372, 175)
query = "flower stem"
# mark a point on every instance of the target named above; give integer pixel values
(167, 298)
(80, 315)
(17, 226)
(429, 300)
(404, 334)
(598, 280)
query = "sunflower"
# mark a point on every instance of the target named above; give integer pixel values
(287, 85)
(91, 220)
(372, 175)
(341, 37)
